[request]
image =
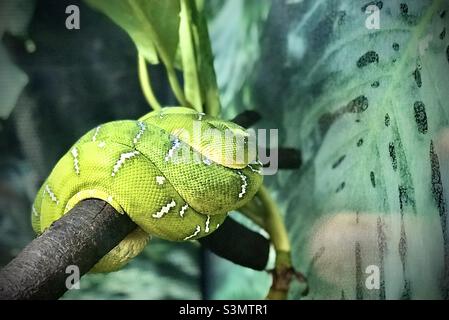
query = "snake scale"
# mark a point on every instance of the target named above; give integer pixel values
(135, 166)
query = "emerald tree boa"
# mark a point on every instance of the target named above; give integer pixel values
(172, 183)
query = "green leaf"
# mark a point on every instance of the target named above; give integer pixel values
(16, 17)
(235, 31)
(206, 65)
(152, 24)
(12, 82)
(369, 110)
(200, 83)
(373, 110)
(189, 54)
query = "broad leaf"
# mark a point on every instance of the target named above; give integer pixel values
(235, 33)
(12, 82)
(152, 24)
(369, 110)
(200, 83)
(16, 16)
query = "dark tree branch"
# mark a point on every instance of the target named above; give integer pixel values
(238, 244)
(247, 118)
(289, 158)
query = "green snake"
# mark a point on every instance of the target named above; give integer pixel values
(135, 166)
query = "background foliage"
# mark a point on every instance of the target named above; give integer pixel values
(367, 108)
(78, 79)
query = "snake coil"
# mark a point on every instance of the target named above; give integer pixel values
(135, 166)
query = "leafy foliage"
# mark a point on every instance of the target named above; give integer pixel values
(16, 15)
(153, 25)
(162, 271)
(175, 32)
(368, 109)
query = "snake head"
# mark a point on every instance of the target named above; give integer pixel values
(229, 152)
(219, 141)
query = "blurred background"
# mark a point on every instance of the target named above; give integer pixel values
(367, 106)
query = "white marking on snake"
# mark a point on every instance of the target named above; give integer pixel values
(183, 210)
(217, 225)
(175, 145)
(254, 170)
(94, 138)
(200, 115)
(206, 229)
(244, 184)
(207, 161)
(109, 199)
(75, 160)
(141, 131)
(160, 180)
(102, 144)
(165, 209)
(34, 211)
(121, 161)
(197, 230)
(51, 194)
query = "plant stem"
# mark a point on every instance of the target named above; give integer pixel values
(283, 272)
(163, 54)
(145, 83)
(175, 86)
(273, 221)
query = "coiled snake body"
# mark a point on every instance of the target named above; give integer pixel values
(134, 166)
